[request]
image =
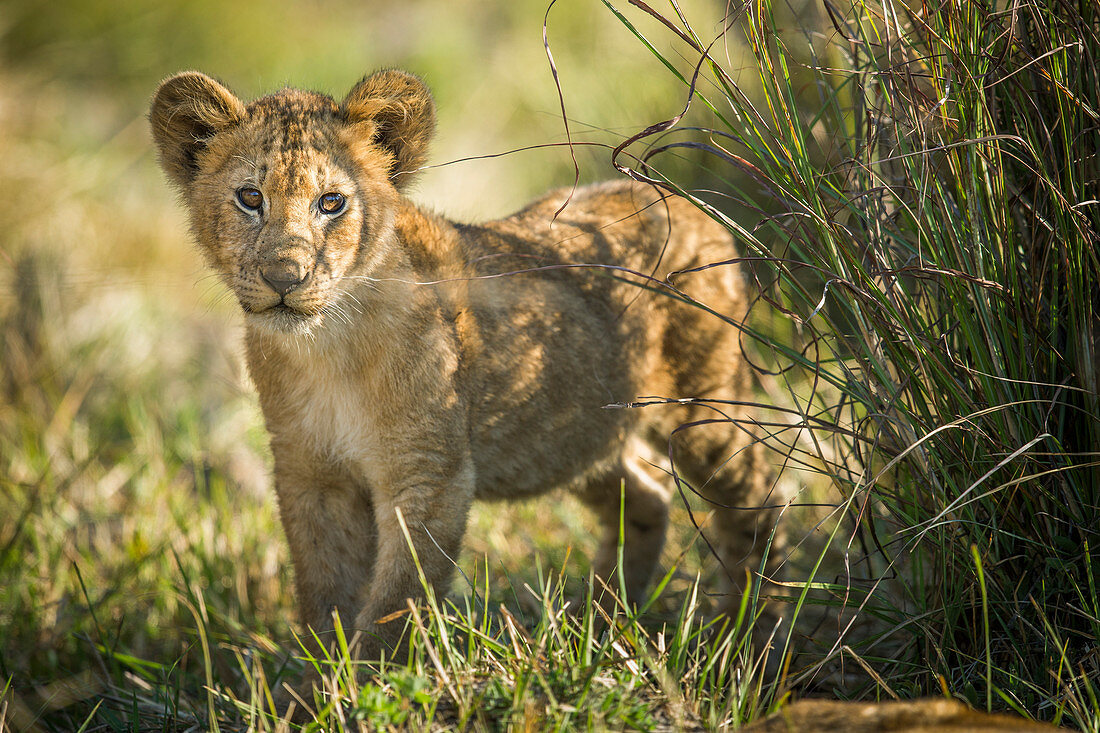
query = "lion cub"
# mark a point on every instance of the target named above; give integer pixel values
(407, 364)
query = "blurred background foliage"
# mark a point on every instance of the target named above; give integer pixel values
(98, 63)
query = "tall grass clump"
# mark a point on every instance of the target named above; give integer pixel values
(923, 188)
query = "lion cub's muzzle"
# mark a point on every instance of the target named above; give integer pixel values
(282, 289)
(284, 275)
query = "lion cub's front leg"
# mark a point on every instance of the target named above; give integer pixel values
(329, 519)
(433, 506)
(349, 550)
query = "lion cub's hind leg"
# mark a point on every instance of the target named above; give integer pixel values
(726, 467)
(630, 492)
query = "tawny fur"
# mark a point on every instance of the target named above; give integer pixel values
(910, 716)
(420, 364)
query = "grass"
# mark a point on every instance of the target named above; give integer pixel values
(925, 178)
(916, 189)
(561, 669)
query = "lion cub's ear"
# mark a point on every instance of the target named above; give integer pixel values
(187, 110)
(396, 112)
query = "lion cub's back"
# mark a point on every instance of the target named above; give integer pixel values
(679, 348)
(628, 224)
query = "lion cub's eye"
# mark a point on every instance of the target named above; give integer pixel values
(250, 198)
(332, 202)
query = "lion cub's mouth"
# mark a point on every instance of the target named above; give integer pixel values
(284, 308)
(284, 319)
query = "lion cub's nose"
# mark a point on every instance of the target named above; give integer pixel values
(284, 275)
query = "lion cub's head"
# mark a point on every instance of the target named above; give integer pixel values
(292, 196)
